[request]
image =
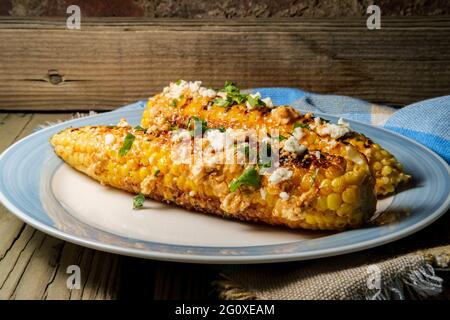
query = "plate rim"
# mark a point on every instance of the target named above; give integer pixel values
(230, 259)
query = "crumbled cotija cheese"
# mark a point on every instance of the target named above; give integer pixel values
(284, 196)
(216, 139)
(207, 92)
(263, 193)
(176, 89)
(268, 102)
(298, 133)
(257, 95)
(335, 131)
(280, 174)
(181, 135)
(109, 138)
(123, 123)
(292, 145)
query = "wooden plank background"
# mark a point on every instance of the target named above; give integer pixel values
(111, 62)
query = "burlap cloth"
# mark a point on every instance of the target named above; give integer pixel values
(412, 268)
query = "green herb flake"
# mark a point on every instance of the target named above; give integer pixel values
(255, 101)
(174, 103)
(249, 177)
(127, 144)
(263, 167)
(174, 128)
(231, 88)
(157, 171)
(281, 138)
(139, 128)
(224, 103)
(301, 125)
(138, 201)
(193, 121)
(221, 128)
(178, 82)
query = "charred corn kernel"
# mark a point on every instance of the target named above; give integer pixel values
(351, 177)
(377, 166)
(338, 184)
(306, 182)
(325, 187)
(308, 206)
(344, 210)
(385, 180)
(350, 196)
(387, 170)
(322, 203)
(159, 114)
(333, 172)
(334, 201)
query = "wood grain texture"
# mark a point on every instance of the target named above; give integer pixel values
(110, 62)
(33, 265)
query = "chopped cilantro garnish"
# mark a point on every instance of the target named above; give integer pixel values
(301, 125)
(127, 144)
(138, 201)
(249, 177)
(173, 128)
(255, 101)
(223, 102)
(174, 103)
(157, 171)
(195, 120)
(233, 95)
(139, 128)
(263, 167)
(178, 82)
(231, 88)
(281, 138)
(221, 128)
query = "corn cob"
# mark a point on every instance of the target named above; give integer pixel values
(180, 101)
(314, 191)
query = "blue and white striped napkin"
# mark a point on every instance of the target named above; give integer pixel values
(427, 122)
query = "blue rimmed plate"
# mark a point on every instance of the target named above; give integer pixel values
(40, 189)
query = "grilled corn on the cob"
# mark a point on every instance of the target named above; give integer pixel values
(182, 100)
(311, 191)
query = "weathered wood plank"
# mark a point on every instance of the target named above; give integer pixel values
(110, 62)
(32, 264)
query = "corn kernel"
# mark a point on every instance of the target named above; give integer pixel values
(325, 186)
(350, 196)
(322, 203)
(334, 201)
(387, 170)
(338, 184)
(351, 177)
(344, 210)
(377, 166)
(333, 172)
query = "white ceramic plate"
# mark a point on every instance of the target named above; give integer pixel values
(43, 191)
